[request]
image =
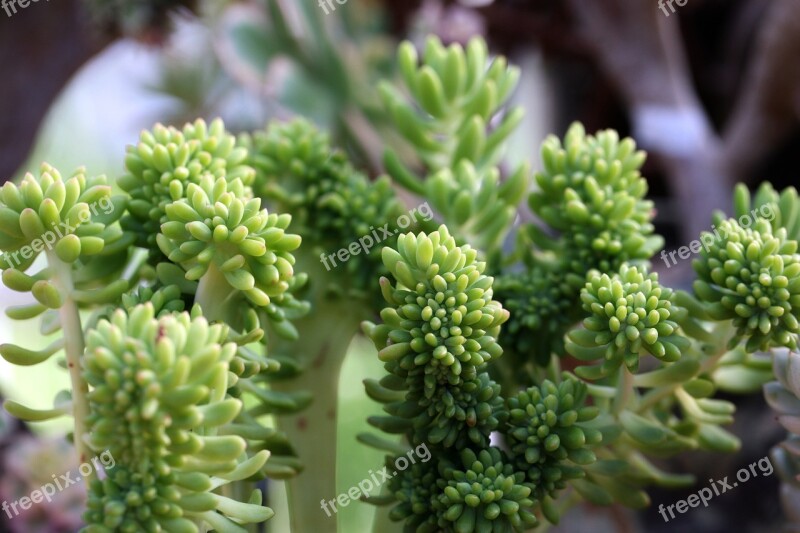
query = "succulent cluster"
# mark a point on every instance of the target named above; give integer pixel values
(196, 340)
(332, 204)
(547, 435)
(455, 94)
(438, 340)
(220, 229)
(437, 335)
(483, 492)
(752, 277)
(591, 196)
(73, 218)
(157, 403)
(478, 206)
(780, 209)
(539, 300)
(629, 314)
(592, 193)
(163, 164)
(177, 401)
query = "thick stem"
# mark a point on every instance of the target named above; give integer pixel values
(74, 346)
(313, 431)
(215, 296)
(624, 390)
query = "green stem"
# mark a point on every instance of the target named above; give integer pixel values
(313, 431)
(625, 388)
(216, 297)
(656, 395)
(74, 347)
(554, 369)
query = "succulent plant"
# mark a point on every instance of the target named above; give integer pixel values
(752, 277)
(629, 314)
(592, 193)
(539, 300)
(163, 164)
(72, 218)
(591, 197)
(157, 400)
(439, 327)
(214, 229)
(333, 205)
(483, 492)
(546, 434)
(190, 316)
(455, 93)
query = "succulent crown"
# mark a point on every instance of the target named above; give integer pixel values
(752, 277)
(166, 160)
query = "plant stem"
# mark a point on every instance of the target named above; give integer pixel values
(625, 388)
(215, 296)
(74, 346)
(313, 431)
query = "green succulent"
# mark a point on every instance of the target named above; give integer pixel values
(546, 435)
(629, 315)
(166, 161)
(477, 206)
(592, 192)
(543, 305)
(165, 301)
(458, 416)
(780, 209)
(155, 383)
(482, 492)
(216, 229)
(415, 491)
(752, 277)
(455, 94)
(289, 156)
(73, 218)
(441, 324)
(333, 205)
(591, 197)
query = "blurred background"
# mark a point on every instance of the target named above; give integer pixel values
(710, 89)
